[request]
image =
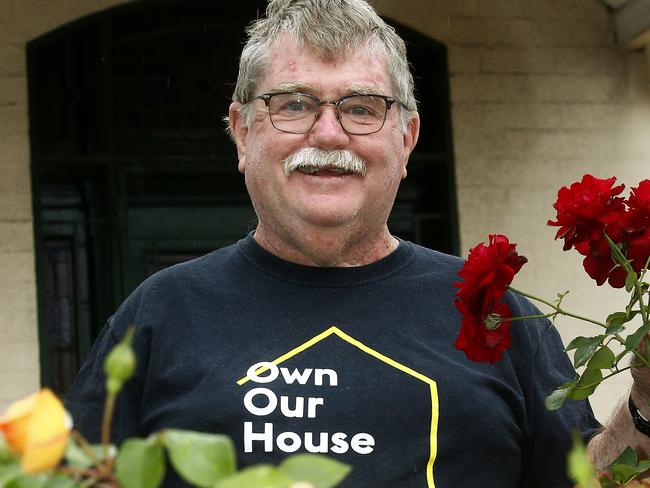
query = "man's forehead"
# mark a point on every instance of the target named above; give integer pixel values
(286, 45)
(311, 88)
(293, 66)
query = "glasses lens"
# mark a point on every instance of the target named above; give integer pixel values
(292, 112)
(362, 114)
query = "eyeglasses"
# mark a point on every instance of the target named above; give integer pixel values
(296, 113)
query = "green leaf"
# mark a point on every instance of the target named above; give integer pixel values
(627, 457)
(623, 473)
(586, 351)
(587, 384)
(630, 280)
(578, 342)
(633, 340)
(556, 399)
(617, 318)
(614, 329)
(320, 471)
(140, 463)
(200, 459)
(603, 359)
(626, 467)
(260, 476)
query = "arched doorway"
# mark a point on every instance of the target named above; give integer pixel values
(132, 170)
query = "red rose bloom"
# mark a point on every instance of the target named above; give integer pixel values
(488, 271)
(636, 226)
(585, 209)
(479, 343)
(639, 200)
(599, 265)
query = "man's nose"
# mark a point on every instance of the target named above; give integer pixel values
(327, 132)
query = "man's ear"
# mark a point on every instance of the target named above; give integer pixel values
(410, 138)
(238, 131)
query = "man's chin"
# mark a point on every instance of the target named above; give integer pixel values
(327, 217)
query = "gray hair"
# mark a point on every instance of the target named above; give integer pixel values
(331, 28)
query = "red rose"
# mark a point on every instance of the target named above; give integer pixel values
(639, 200)
(585, 210)
(636, 226)
(600, 266)
(489, 270)
(478, 342)
(486, 275)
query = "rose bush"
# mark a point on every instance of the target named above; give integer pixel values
(613, 234)
(39, 450)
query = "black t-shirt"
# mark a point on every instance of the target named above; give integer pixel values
(355, 363)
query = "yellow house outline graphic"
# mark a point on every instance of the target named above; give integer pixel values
(433, 441)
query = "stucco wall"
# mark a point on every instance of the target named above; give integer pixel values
(540, 95)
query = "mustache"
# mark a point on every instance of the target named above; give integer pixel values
(311, 159)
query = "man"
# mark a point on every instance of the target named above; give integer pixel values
(321, 332)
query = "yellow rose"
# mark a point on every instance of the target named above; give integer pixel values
(37, 429)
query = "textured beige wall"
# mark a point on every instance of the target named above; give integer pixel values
(540, 95)
(21, 21)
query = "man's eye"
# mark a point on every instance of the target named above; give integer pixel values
(360, 110)
(362, 107)
(294, 106)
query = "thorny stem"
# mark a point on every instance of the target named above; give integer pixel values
(557, 309)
